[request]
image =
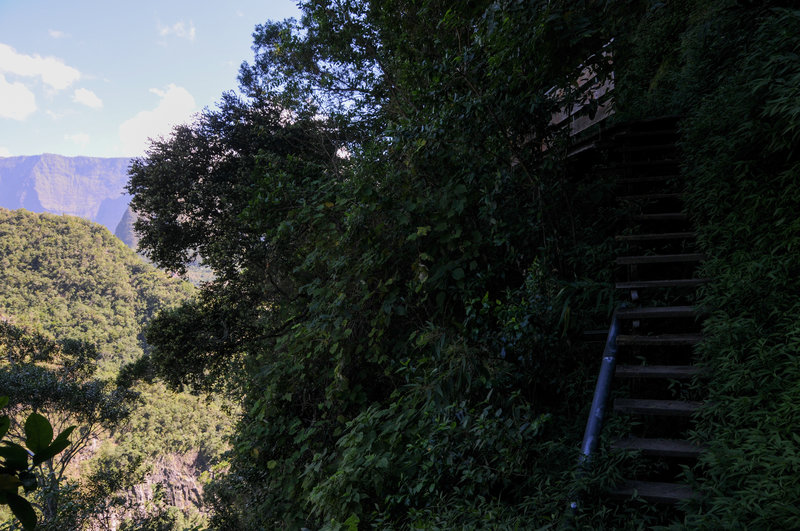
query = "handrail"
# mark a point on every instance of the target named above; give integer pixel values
(593, 91)
(601, 390)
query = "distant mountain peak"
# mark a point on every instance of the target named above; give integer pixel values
(89, 187)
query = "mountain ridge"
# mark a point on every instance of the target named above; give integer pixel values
(92, 188)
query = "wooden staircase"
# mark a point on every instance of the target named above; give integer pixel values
(657, 272)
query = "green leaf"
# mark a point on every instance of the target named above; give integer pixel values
(5, 422)
(38, 433)
(9, 483)
(3, 401)
(458, 273)
(14, 455)
(28, 480)
(59, 444)
(22, 510)
(352, 522)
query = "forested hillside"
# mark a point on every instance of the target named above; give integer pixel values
(73, 304)
(71, 278)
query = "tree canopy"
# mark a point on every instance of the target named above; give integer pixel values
(402, 256)
(73, 279)
(374, 208)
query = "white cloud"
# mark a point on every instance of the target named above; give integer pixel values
(57, 34)
(175, 106)
(88, 98)
(55, 115)
(4, 152)
(179, 29)
(82, 139)
(52, 71)
(16, 101)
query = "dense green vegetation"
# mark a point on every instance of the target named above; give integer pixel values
(398, 319)
(74, 300)
(735, 78)
(56, 378)
(71, 278)
(400, 269)
(19, 467)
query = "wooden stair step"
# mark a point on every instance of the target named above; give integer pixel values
(646, 147)
(616, 144)
(647, 179)
(667, 408)
(663, 339)
(657, 312)
(654, 491)
(662, 216)
(648, 197)
(623, 135)
(626, 133)
(599, 334)
(673, 283)
(661, 259)
(645, 163)
(656, 236)
(582, 148)
(675, 372)
(660, 447)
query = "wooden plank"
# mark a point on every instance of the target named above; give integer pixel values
(667, 408)
(663, 216)
(661, 259)
(646, 147)
(646, 164)
(656, 236)
(651, 197)
(654, 491)
(660, 447)
(676, 372)
(674, 283)
(595, 335)
(657, 312)
(629, 134)
(659, 340)
(648, 179)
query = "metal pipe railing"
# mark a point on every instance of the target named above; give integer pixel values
(601, 391)
(595, 422)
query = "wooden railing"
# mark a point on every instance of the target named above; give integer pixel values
(595, 97)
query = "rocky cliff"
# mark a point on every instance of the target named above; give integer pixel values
(88, 187)
(124, 230)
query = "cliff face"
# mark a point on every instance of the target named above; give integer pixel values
(124, 230)
(88, 187)
(179, 475)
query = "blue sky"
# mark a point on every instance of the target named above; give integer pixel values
(98, 78)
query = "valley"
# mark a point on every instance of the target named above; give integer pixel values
(68, 280)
